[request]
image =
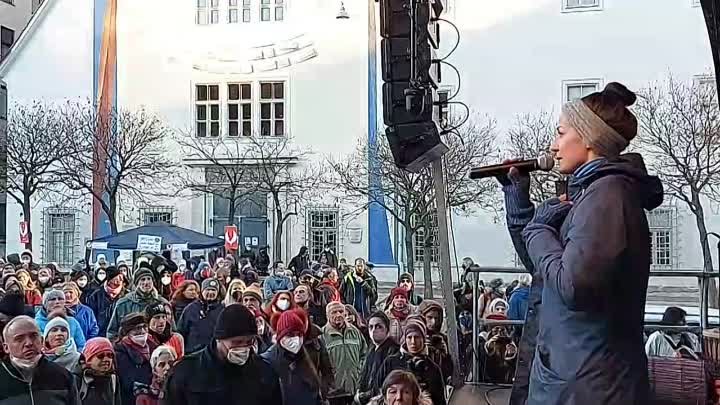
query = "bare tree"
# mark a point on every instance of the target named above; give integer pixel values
(226, 170)
(530, 136)
(680, 135)
(35, 147)
(119, 154)
(409, 197)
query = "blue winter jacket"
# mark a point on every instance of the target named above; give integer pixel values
(197, 324)
(595, 272)
(518, 305)
(75, 328)
(86, 318)
(103, 307)
(276, 283)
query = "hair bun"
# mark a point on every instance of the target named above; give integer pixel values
(620, 92)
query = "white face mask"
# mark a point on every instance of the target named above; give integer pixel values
(140, 340)
(25, 364)
(43, 279)
(165, 280)
(101, 276)
(238, 356)
(82, 282)
(292, 344)
(283, 304)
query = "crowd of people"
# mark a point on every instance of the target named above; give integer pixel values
(186, 332)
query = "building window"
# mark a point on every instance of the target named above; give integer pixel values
(662, 237)
(272, 10)
(419, 241)
(575, 89)
(233, 11)
(7, 37)
(207, 110)
(323, 230)
(272, 108)
(153, 215)
(581, 5)
(240, 109)
(208, 12)
(60, 236)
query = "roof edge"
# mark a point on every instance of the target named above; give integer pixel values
(25, 35)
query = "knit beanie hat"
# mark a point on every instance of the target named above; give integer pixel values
(234, 321)
(407, 276)
(290, 322)
(143, 271)
(153, 310)
(52, 295)
(253, 291)
(73, 286)
(95, 346)
(429, 305)
(415, 324)
(55, 322)
(111, 272)
(210, 284)
(131, 321)
(398, 291)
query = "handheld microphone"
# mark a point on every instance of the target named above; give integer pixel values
(544, 162)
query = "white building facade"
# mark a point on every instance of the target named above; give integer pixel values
(277, 68)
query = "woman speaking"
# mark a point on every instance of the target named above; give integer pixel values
(591, 248)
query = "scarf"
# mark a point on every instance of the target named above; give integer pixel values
(597, 134)
(400, 315)
(163, 337)
(578, 178)
(113, 292)
(143, 350)
(66, 355)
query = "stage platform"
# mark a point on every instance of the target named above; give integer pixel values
(476, 395)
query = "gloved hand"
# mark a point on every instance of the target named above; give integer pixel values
(552, 212)
(516, 188)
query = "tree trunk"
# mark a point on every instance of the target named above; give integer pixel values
(277, 237)
(111, 213)
(232, 208)
(27, 215)
(427, 268)
(699, 212)
(409, 252)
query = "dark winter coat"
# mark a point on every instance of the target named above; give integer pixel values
(103, 307)
(298, 264)
(438, 350)
(51, 385)
(263, 261)
(368, 286)
(86, 318)
(178, 306)
(590, 344)
(427, 373)
(131, 302)
(373, 364)
(98, 390)
(320, 358)
(201, 378)
(197, 324)
(131, 367)
(518, 304)
(299, 381)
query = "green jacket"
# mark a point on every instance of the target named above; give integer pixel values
(130, 303)
(347, 350)
(51, 385)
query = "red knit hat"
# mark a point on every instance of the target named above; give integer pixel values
(398, 291)
(290, 322)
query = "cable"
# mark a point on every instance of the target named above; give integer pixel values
(457, 72)
(467, 117)
(456, 42)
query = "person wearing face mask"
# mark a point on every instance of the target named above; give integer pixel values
(347, 349)
(382, 348)
(132, 355)
(398, 313)
(227, 371)
(359, 288)
(317, 351)
(234, 292)
(32, 294)
(81, 278)
(277, 281)
(161, 361)
(135, 301)
(59, 346)
(299, 379)
(44, 279)
(160, 329)
(198, 320)
(165, 284)
(104, 300)
(53, 305)
(282, 301)
(26, 375)
(188, 292)
(84, 315)
(96, 375)
(413, 357)
(437, 342)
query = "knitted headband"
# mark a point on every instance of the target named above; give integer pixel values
(597, 134)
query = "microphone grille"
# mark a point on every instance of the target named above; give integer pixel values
(546, 162)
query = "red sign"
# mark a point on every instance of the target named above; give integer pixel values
(24, 232)
(231, 238)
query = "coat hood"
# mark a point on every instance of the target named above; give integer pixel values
(632, 166)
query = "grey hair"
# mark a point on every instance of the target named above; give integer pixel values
(159, 351)
(15, 320)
